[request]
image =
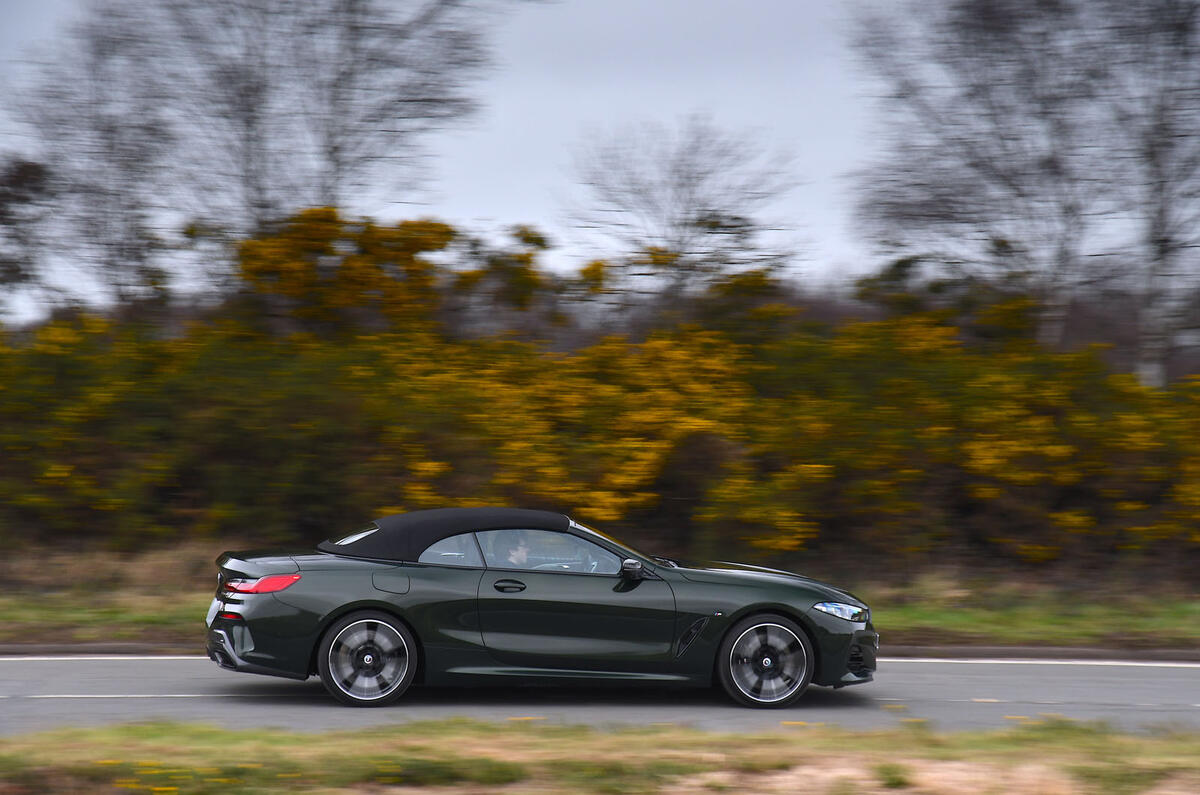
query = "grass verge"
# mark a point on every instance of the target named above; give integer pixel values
(468, 756)
(1143, 623)
(937, 608)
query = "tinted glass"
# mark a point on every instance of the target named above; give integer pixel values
(545, 550)
(459, 550)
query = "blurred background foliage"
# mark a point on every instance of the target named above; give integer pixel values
(222, 349)
(336, 385)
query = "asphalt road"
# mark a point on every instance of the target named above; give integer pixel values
(47, 692)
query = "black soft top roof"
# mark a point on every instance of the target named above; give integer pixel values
(404, 536)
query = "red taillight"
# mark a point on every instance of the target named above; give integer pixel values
(268, 584)
(230, 616)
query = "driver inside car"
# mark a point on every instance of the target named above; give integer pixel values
(518, 553)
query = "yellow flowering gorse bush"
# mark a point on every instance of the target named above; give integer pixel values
(890, 435)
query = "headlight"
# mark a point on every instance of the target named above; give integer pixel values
(848, 612)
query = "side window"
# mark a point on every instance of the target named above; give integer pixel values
(459, 550)
(545, 550)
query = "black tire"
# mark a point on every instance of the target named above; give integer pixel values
(367, 659)
(765, 661)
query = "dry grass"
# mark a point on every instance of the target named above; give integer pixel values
(179, 568)
(87, 595)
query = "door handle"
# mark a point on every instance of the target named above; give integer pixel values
(509, 586)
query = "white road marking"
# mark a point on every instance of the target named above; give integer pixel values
(981, 661)
(157, 695)
(96, 658)
(126, 695)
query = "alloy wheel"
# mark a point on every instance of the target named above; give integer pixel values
(368, 660)
(768, 663)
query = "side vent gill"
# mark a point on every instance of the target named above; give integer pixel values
(690, 634)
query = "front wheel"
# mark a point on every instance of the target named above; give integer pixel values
(765, 661)
(367, 659)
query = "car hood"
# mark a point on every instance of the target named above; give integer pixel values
(720, 571)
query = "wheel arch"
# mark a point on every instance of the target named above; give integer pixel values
(767, 609)
(368, 606)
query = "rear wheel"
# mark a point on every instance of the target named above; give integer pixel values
(367, 659)
(765, 661)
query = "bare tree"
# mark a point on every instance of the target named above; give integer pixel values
(229, 115)
(387, 73)
(24, 197)
(98, 114)
(300, 104)
(228, 63)
(1153, 50)
(684, 202)
(991, 160)
(1047, 140)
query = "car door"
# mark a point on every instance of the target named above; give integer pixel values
(554, 600)
(442, 602)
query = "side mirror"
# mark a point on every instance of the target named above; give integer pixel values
(631, 569)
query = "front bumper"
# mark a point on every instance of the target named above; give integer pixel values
(846, 650)
(221, 651)
(860, 658)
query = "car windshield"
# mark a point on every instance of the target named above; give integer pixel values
(622, 546)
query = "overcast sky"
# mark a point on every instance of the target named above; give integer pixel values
(568, 67)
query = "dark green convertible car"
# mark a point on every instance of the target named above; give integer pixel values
(460, 596)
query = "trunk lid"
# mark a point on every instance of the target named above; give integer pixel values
(252, 564)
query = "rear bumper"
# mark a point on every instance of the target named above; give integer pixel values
(221, 651)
